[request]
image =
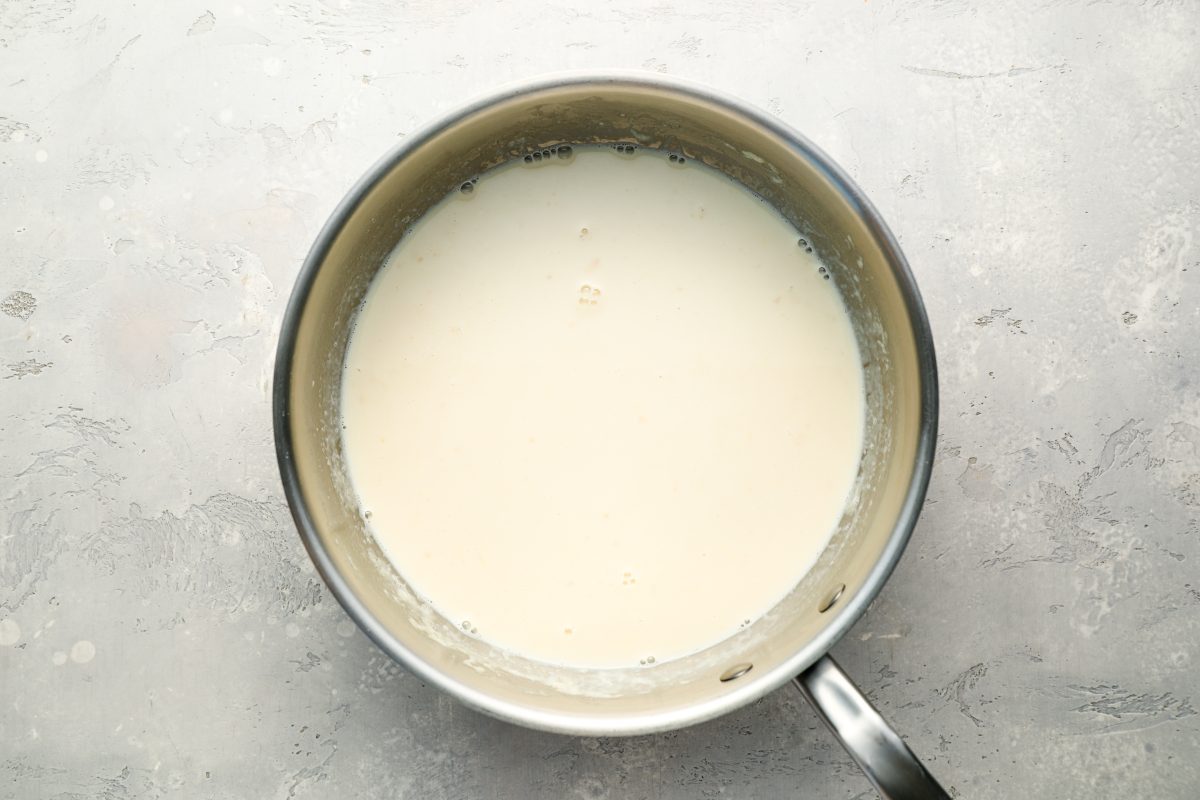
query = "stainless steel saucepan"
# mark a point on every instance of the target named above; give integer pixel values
(791, 642)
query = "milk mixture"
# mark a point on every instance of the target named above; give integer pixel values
(602, 409)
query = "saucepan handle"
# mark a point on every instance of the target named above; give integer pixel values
(878, 749)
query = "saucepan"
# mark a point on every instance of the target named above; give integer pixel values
(792, 641)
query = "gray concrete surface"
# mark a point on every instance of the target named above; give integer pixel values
(163, 169)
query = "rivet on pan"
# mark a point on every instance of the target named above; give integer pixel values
(831, 598)
(735, 672)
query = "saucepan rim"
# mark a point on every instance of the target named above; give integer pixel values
(846, 614)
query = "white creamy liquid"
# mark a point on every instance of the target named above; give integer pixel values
(603, 410)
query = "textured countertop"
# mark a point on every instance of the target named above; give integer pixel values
(164, 168)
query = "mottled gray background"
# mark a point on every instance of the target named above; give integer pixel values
(164, 168)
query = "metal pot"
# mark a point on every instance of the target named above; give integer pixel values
(794, 638)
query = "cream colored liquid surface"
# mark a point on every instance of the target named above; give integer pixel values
(603, 410)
